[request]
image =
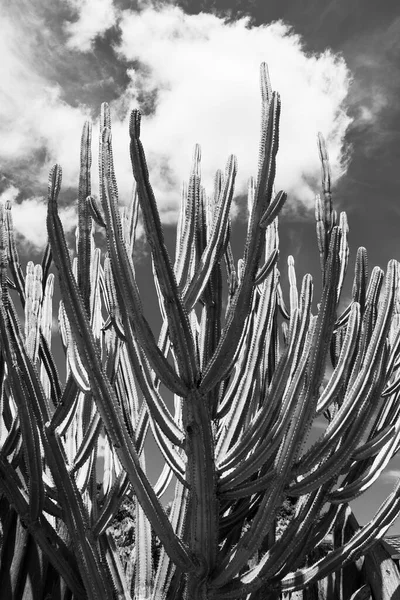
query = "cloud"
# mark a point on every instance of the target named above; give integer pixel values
(29, 218)
(374, 59)
(95, 17)
(196, 79)
(34, 118)
(37, 129)
(200, 76)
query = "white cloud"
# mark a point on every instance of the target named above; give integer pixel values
(29, 217)
(95, 17)
(33, 115)
(9, 194)
(33, 118)
(205, 74)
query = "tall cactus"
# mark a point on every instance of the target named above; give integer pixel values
(247, 387)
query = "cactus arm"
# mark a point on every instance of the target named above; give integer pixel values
(30, 435)
(104, 394)
(111, 504)
(361, 541)
(394, 354)
(273, 209)
(77, 521)
(124, 279)
(48, 540)
(15, 266)
(113, 360)
(46, 264)
(320, 335)
(178, 323)
(239, 363)
(51, 370)
(116, 572)
(331, 466)
(322, 331)
(171, 455)
(144, 563)
(84, 218)
(354, 395)
(305, 312)
(158, 410)
(373, 349)
(320, 229)
(128, 385)
(374, 445)
(130, 221)
(392, 388)
(260, 484)
(348, 492)
(112, 301)
(262, 332)
(88, 443)
(13, 348)
(326, 207)
(237, 557)
(33, 294)
(291, 543)
(215, 246)
(45, 334)
(293, 293)
(86, 473)
(344, 317)
(336, 379)
(358, 410)
(356, 546)
(292, 382)
(381, 573)
(317, 535)
(96, 318)
(66, 407)
(281, 303)
(368, 322)
(187, 220)
(343, 252)
(239, 308)
(12, 439)
(360, 277)
(271, 440)
(251, 193)
(183, 218)
(166, 568)
(267, 267)
(96, 211)
(387, 415)
(262, 428)
(78, 371)
(163, 481)
(142, 428)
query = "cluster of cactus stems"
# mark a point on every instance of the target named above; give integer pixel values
(248, 380)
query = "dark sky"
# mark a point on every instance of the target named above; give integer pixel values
(192, 67)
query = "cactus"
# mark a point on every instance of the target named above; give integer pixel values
(247, 386)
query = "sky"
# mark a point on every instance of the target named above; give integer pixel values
(193, 70)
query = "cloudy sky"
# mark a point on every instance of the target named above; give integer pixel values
(193, 69)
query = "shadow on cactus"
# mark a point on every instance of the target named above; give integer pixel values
(246, 383)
